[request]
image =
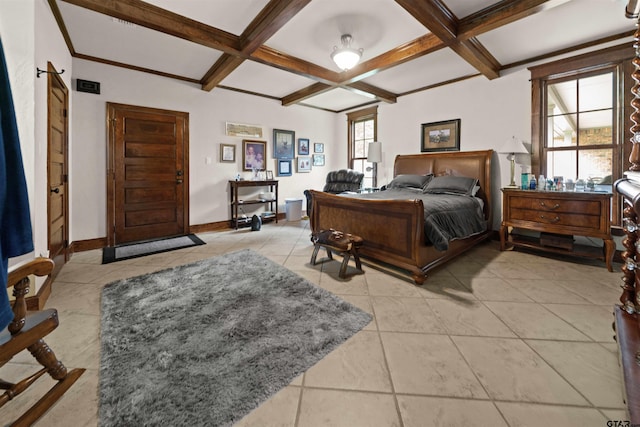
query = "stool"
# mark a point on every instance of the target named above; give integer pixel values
(344, 244)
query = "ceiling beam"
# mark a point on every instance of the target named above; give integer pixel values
(438, 19)
(366, 89)
(404, 53)
(220, 70)
(501, 13)
(283, 61)
(270, 19)
(156, 18)
(307, 92)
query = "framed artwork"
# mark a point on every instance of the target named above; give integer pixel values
(318, 160)
(318, 147)
(303, 147)
(440, 136)
(253, 154)
(283, 144)
(284, 167)
(228, 153)
(269, 175)
(238, 129)
(304, 164)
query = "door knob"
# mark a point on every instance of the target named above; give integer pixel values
(55, 190)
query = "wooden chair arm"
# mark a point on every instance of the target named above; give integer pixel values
(18, 277)
(39, 266)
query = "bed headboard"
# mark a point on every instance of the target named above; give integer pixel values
(475, 164)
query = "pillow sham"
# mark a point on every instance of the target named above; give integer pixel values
(451, 185)
(410, 181)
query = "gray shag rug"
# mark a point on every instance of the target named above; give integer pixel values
(203, 344)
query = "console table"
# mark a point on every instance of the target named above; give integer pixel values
(236, 202)
(558, 212)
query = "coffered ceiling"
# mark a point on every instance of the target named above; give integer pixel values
(280, 48)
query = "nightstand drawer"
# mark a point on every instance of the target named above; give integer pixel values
(579, 220)
(585, 207)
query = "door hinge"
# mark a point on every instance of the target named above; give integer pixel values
(65, 178)
(64, 112)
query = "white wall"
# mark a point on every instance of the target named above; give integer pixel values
(208, 112)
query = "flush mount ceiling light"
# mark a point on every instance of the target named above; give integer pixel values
(346, 57)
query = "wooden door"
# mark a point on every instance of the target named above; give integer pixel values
(57, 169)
(148, 191)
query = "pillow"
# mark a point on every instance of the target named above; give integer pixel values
(448, 184)
(410, 181)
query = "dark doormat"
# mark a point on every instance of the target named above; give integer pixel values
(148, 247)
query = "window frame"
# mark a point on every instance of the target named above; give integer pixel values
(354, 117)
(616, 59)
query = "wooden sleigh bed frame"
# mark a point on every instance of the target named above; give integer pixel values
(393, 229)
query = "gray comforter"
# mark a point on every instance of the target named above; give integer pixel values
(447, 217)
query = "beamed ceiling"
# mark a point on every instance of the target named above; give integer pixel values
(280, 48)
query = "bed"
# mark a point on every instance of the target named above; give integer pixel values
(394, 230)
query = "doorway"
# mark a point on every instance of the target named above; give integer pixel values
(147, 173)
(57, 169)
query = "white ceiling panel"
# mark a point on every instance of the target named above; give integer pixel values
(259, 78)
(337, 100)
(104, 37)
(232, 16)
(464, 8)
(377, 26)
(430, 69)
(569, 24)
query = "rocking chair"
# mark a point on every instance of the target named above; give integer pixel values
(26, 332)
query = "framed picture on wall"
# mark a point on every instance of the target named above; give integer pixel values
(303, 147)
(253, 154)
(318, 147)
(441, 136)
(283, 144)
(318, 160)
(284, 167)
(228, 153)
(304, 164)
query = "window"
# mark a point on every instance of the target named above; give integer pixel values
(581, 129)
(362, 129)
(580, 120)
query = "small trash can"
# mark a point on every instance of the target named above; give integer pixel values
(293, 209)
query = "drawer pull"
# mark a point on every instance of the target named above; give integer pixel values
(556, 219)
(556, 206)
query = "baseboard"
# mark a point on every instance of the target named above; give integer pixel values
(38, 301)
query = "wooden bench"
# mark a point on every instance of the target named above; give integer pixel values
(344, 244)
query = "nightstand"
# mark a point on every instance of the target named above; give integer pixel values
(561, 213)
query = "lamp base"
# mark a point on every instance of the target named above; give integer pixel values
(511, 186)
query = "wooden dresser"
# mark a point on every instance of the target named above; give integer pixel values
(558, 213)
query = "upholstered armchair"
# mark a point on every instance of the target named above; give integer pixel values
(343, 180)
(339, 181)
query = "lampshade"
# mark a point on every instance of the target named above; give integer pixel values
(346, 57)
(513, 146)
(374, 152)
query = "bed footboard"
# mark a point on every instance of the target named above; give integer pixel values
(393, 230)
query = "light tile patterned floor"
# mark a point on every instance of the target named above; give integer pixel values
(491, 339)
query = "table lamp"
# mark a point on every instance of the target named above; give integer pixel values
(513, 146)
(374, 155)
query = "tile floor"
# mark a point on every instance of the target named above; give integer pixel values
(492, 339)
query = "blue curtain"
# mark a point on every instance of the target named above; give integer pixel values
(15, 222)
